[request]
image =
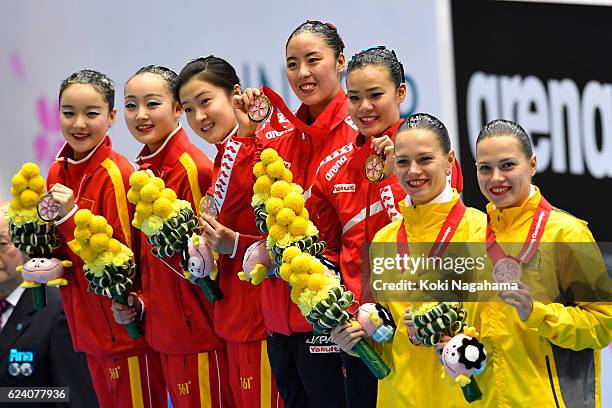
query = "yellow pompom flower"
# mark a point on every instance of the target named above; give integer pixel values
(168, 194)
(144, 210)
(149, 192)
(298, 280)
(275, 169)
(285, 216)
(301, 263)
(285, 272)
(114, 246)
(311, 229)
(290, 253)
(87, 254)
(262, 185)
(280, 189)
(268, 156)
(274, 205)
(159, 183)
(298, 227)
(15, 204)
(162, 207)
(98, 224)
(259, 169)
(99, 242)
(82, 233)
(136, 223)
(295, 295)
(29, 198)
(138, 179)
(155, 222)
(297, 188)
(109, 230)
(133, 196)
(37, 184)
(277, 232)
(316, 282)
(19, 183)
(287, 176)
(83, 217)
(270, 221)
(304, 213)
(295, 201)
(316, 267)
(29, 170)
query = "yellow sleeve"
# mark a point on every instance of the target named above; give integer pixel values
(587, 323)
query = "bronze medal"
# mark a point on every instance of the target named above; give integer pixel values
(208, 205)
(507, 270)
(374, 168)
(259, 111)
(48, 209)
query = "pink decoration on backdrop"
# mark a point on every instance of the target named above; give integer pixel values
(17, 65)
(48, 141)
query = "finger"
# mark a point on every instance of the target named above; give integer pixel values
(212, 221)
(208, 229)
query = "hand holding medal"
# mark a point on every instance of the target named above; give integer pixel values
(380, 165)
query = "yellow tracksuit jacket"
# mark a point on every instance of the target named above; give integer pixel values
(552, 359)
(415, 379)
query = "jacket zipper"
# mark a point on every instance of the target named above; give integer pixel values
(180, 296)
(552, 384)
(367, 219)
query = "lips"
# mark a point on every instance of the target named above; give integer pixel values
(500, 190)
(80, 136)
(207, 127)
(417, 183)
(308, 88)
(368, 120)
(145, 127)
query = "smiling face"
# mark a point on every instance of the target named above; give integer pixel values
(151, 113)
(208, 109)
(421, 164)
(84, 118)
(373, 100)
(504, 172)
(313, 71)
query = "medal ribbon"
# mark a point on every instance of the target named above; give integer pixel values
(536, 230)
(278, 104)
(444, 236)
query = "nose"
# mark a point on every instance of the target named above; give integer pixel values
(79, 121)
(497, 175)
(141, 113)
(200, 115)
(303, 71)
(365, 106)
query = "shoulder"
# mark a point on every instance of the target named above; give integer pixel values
(389, 232)
(568, 227)
(475, 221)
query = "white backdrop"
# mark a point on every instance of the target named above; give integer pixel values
(44, 41)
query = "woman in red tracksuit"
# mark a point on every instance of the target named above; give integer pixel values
(350, 207)
(314, 136)
(89, 174)
(178, 318)
(205, 88)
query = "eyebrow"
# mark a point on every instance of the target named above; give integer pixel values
(307, 55)
(196, 97)
(146, 96)
(87, 107)
(375, 88)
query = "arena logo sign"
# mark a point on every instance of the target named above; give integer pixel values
(564, 118)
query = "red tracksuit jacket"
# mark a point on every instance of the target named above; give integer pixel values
(303, 154)
(351, 209)
(178, 317)
(238, 316)
(99, 182)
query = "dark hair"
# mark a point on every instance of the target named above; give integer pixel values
(98, 80)
(379, 56)
(428, 122)
(169, 76)
(327, 31)
(214, 70)
(503, 127)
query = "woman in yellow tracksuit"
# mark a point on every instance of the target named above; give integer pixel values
(423, 158)
(541, 353)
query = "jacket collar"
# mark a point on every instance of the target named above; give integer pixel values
(432, 214)
(90, 162)
(334, 114)
(501, 218)
(168, 153)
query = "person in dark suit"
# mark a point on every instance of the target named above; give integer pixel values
(35, 345)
